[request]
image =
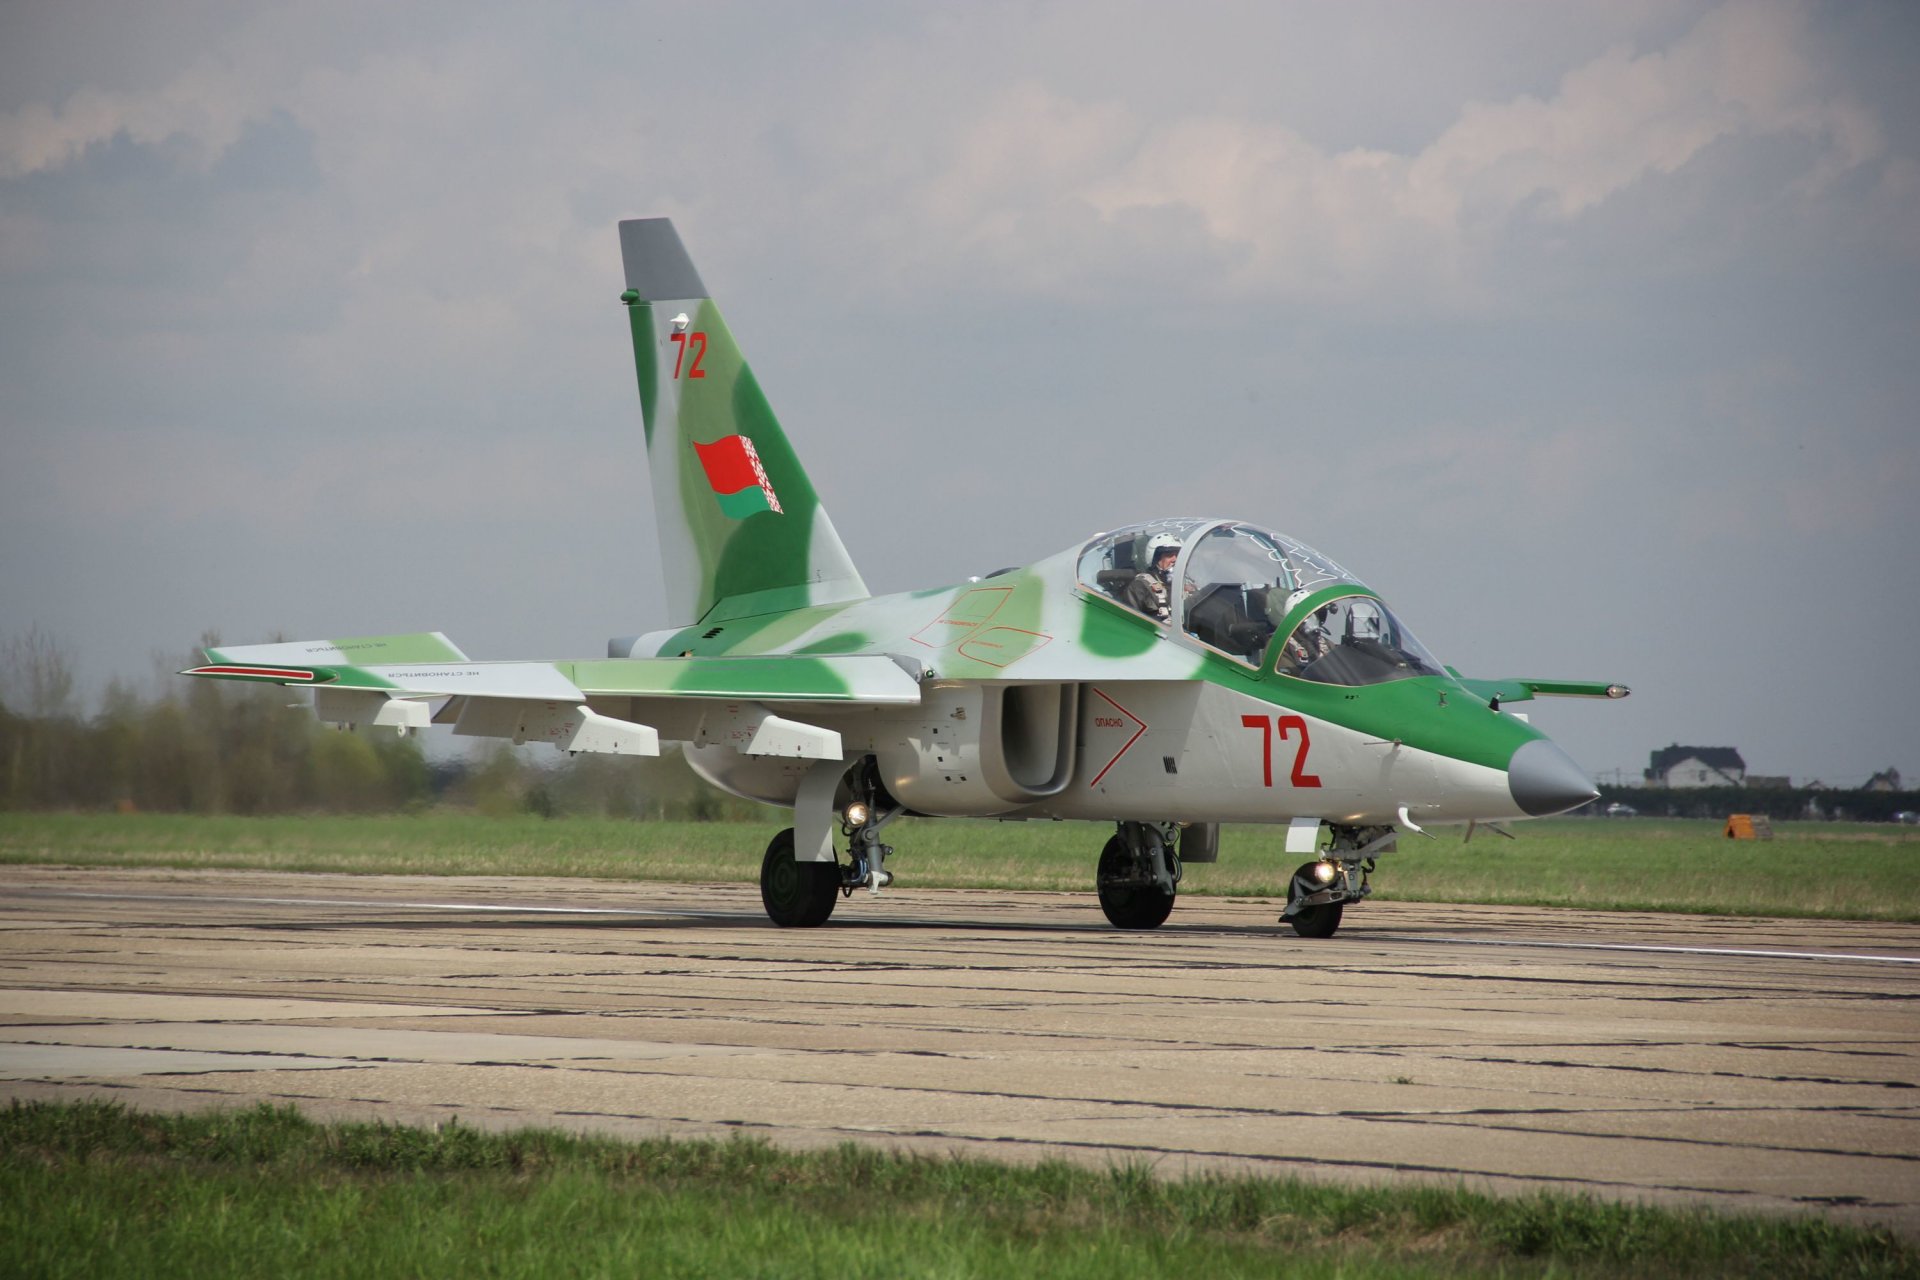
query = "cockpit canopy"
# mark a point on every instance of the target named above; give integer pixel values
(1232, 586)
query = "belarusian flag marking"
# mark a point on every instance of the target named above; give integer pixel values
(735, 475)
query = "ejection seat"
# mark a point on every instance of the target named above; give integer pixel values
(1116, 580)
(1231, 617)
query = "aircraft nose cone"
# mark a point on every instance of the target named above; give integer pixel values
(1544, 779)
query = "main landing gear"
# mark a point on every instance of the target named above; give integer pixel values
(1137, 879)
(1139, 873)
(797, 895)
(801, 895)
(1320, 890)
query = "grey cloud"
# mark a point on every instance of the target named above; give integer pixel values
(1584, 334)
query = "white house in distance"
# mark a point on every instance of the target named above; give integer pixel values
(1678, 766)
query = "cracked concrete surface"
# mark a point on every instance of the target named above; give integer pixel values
(1746, 1064)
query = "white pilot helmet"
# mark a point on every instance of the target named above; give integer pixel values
(1162, 542)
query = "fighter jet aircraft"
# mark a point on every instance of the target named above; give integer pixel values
(1161, 679)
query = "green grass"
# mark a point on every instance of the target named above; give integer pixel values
(93, 1190)
(1832, 870)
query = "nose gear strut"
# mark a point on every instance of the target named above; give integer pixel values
(1320, 890)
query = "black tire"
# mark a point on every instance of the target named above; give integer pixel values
(1312, 922)
(1129, 906)
(797, 895)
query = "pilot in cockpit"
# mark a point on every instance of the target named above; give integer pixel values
(1310, 640)
(1150, 591)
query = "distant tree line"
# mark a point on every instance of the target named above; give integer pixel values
(215, 746)
(1780, 803)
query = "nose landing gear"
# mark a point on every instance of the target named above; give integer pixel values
(1319, 891)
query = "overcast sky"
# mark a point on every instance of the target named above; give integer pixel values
(1588, 334)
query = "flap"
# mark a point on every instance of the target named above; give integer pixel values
(781, 678)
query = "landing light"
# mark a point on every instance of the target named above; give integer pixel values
(1323, 872)
(857, 814)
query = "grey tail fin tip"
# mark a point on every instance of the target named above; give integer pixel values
(657, 265)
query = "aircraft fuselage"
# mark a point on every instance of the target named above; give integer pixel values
(1010, 724)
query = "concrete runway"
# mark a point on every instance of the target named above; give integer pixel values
(1766, 1065)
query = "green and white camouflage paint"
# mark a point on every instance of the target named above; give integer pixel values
(741, 529)
(1040, 692)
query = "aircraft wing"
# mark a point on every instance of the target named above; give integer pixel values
(547, 701)
(1517, 689)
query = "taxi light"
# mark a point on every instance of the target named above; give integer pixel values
(857, 814)
(1323, 871)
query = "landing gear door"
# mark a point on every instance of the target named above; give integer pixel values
(1200, 842)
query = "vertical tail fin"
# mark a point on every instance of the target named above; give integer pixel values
(742, 531)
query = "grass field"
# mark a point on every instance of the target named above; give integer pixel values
(1834, 870)
(92, 1190)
